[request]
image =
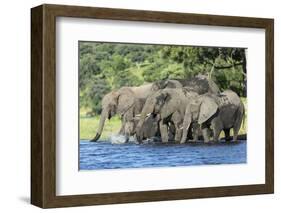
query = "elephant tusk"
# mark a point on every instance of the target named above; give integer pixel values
(138, 115)
(148, 114)
(181, 127)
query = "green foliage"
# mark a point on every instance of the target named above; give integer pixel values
(108, 66)
(92, 95)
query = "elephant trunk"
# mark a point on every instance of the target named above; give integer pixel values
(141, 120)
(101, 125)
(186, 125)
(139, 127)
(146, 112)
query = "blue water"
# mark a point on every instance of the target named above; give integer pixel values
(104, 155)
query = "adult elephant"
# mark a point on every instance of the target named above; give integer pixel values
(200, 83)
(123, 102)
(221, 113)
(168, 105)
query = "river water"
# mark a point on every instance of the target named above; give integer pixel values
(106, 155)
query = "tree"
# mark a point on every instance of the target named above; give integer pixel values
(107, 66)
(226, 65)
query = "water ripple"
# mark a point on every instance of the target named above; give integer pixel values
(105, 155)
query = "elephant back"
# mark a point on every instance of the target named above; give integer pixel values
(201, 84)
(142, 91)
(163, 84)
(207, 108)
(189, 93)
(228, 97)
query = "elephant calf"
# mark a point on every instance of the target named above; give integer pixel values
(131, 119)
(218, 112)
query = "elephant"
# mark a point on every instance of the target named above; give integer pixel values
(162, 84)
(124, 102)
(168, 105)
(200, 83)
(127, 103)
(150, 127)
(131, 120)
(215, 112)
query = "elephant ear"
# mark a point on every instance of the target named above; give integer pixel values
(194, 106)
(124, 102)
(208, 108)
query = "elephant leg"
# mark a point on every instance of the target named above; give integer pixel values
(205, 133)
(164, 131)
(177, 121)
(217, 128)
(129, 130)
(235, 133)
(122, 130)
(227, 134)
(178, 135)
(196, 131)
(237, 126)
(171, 131)
(139, 137)
(216, 135)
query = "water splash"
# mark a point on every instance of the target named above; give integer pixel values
(118, 139)
(122, 139)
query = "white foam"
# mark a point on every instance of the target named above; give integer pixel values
(117, 139)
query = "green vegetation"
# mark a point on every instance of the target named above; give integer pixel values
(89, 125)
(108, 66)
(104, 67)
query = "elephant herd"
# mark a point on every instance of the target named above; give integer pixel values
(174, 110)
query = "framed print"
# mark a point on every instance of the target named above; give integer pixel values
(136, 106)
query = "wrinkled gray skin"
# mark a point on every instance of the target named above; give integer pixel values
(172, 123)
(219, 113)
(168, 105)
(200, 84)
(150, 127)
(131, 120)
(124, 103)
